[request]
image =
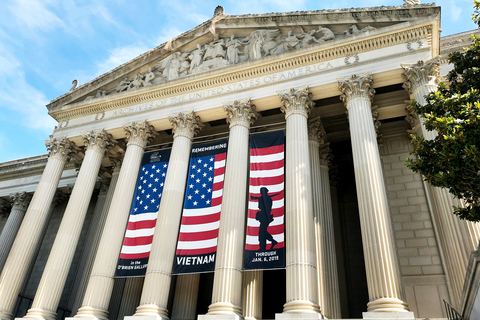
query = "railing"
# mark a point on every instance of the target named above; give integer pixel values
(24, 303)
(452, 314)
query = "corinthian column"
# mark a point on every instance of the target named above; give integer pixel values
(302, 295)
(58, 264)
(154, 300)
(252, 294)
(457, 238)
(36, 217)
(383, 277)
(227, 283)
(185, 299)
(100, 284)
(327, 275)
(20, 203)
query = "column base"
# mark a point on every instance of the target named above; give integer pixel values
(298, 316)
(301, 306)
(149, 312)
(151, 317)
(90, 313)
(388, 315)
(230, 316)
(39, 313)
(383, 305)
(5, 315)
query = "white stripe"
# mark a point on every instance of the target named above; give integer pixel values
(267, 158)
(253, 240)
(266, 173)
(219, 164)
(187, 228)
(136, 249)
(253, 205)
(201, 211)
(143, 216)
(254, 223)
(271, 188)
(218, 178)
(139, 233)
(202, 244)
(217, 193)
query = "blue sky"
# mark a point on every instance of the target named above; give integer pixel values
(45, 44)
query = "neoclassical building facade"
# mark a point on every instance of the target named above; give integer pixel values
(364, 236)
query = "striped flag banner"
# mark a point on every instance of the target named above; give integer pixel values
(197, 239)
(265, 240)
(143, 215)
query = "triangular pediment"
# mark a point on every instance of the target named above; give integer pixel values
(229, 40)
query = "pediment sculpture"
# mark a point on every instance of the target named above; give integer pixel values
(223, 52)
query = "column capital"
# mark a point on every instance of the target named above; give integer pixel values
(356, 87)
(59, 197)
(61, 148)
(20, 200)
(296, 101)
(139, 133)
(185, 124)
(5, 206)
(99, 140)
(316, 131)
(325, 154)
(420, 74)
(241, 113)
(412, 118)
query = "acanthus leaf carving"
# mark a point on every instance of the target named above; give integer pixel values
(99, 140)
(60, 147)
(420, 74)
(139, 133)
(185, 124)
(296, 101)
(357, 86)
(241, 113)
(316, 131)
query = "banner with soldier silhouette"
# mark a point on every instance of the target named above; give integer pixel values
(265, 240)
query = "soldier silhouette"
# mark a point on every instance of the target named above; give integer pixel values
(265, 217)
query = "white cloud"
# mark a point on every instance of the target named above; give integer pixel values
(121, 55)
(34, 14)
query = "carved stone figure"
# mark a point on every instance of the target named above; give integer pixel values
(209, 52)
(291, 41)
(123, 85)
(174, 67)
(327, 34)
(196, 57)
(149, 76)
(353, 29)
(219, 48)
(137, 82)
(184, 64)
(309, 38)
(233, 50)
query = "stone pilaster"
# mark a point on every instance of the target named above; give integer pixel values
(51, 285)
(457, 238)
(383, 277)
(20, 203)
(34, 222)
(302, 295)
(100, 284)
(97, 225)
(153, 302)
(185, 299)
(227, 283)
(252, 294)
(327, 275)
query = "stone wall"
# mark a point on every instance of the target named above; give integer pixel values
(421, 268)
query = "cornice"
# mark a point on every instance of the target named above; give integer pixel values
(27, 168)
(253, 70)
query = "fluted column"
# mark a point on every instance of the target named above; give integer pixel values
(23, 249)
(327, 275)
(252, 294)
(51, 285)
(458, 238)
(185, 299)
(20, 203)
(383, 277)
(227, 282)
(131, 296)
(97, 225)
(154, 300)
(100, 284)
(302, 295)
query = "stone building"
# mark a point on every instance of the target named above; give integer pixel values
(365, 237)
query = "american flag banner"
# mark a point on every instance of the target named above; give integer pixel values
(197, 239)
(265, 240)
(143, 215)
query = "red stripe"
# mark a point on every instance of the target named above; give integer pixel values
(196, 251)
(256, 166)
(218, 186)
(198, 236)
(216, 201)
(277, 212)
(134, 255)
(219, 171)
(220, 156)
(266, 181)
(256, 247)
(147, 224)
(201, 219)
(267, 150)
(273, 230)
(138, 241)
